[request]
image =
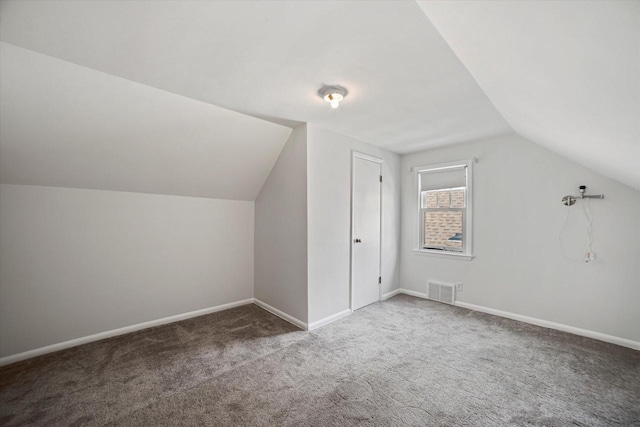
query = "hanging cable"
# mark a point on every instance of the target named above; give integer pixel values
(587, 213)
(564, 224)
(586, 210)
(569, 201)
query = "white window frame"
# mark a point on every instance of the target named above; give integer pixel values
(467, 253)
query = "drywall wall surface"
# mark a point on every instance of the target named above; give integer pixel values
(77, 262)
(518, 266)
(281, 231)
(329, 218)
(64, 125)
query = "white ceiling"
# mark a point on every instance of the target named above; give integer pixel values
(70, 126)
(407, 89)
(564, 74)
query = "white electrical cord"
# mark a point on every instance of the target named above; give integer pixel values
(587, 213)
(564, 224)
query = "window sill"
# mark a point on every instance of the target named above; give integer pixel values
(440, 254)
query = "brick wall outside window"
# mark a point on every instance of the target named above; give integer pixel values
(457, 198)
(439, 226)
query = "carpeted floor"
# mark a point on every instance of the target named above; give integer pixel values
(405, 361)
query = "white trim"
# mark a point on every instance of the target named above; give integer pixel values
(367, 157)
(624, 342)
(412, 293)
(404, 291)
(439, 167)
(552, 325)
(358, 155)
(281, 314)
(446, 254)
(390, 294)
(467, 255)
(444, 165)
(329, 319)
(120, 331)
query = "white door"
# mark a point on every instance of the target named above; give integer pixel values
(366, 199)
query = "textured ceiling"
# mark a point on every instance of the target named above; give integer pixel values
(70, 126)
(407, 90)
(564, 74)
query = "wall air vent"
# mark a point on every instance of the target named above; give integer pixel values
(441, 292)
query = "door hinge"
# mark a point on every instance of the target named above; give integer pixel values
(380, 178)
(379, 279)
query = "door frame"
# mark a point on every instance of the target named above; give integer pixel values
(358, 155)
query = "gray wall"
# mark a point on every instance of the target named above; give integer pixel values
(329, 193)
(518, 266)
(281, 231)
(79, 262)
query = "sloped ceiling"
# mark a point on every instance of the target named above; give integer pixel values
(70, 126)
(564, 74)
(407, 89)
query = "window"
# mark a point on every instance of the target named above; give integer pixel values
(444, 195)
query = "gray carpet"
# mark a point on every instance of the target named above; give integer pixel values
(405, 361)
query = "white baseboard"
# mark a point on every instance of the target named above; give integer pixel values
(390, 294)
(412, 293)
(403, 291)
(552, 325)
(120, 331)
(302, 325)
(329, 319)
(624, 342)
(281, 314)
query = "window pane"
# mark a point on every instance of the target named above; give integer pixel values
(444, 198)
(432, 199)
(457, 198)
(443, 229)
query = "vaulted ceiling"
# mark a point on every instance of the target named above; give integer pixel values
(69, 126)
(268, 59)
(128, 95)
(564, 74)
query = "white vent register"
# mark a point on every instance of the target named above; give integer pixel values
(441, 292)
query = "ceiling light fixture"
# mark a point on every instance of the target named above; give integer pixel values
(333, 94)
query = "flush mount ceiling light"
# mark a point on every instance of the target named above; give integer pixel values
(333, 94)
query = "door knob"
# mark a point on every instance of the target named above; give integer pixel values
(358, 241)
